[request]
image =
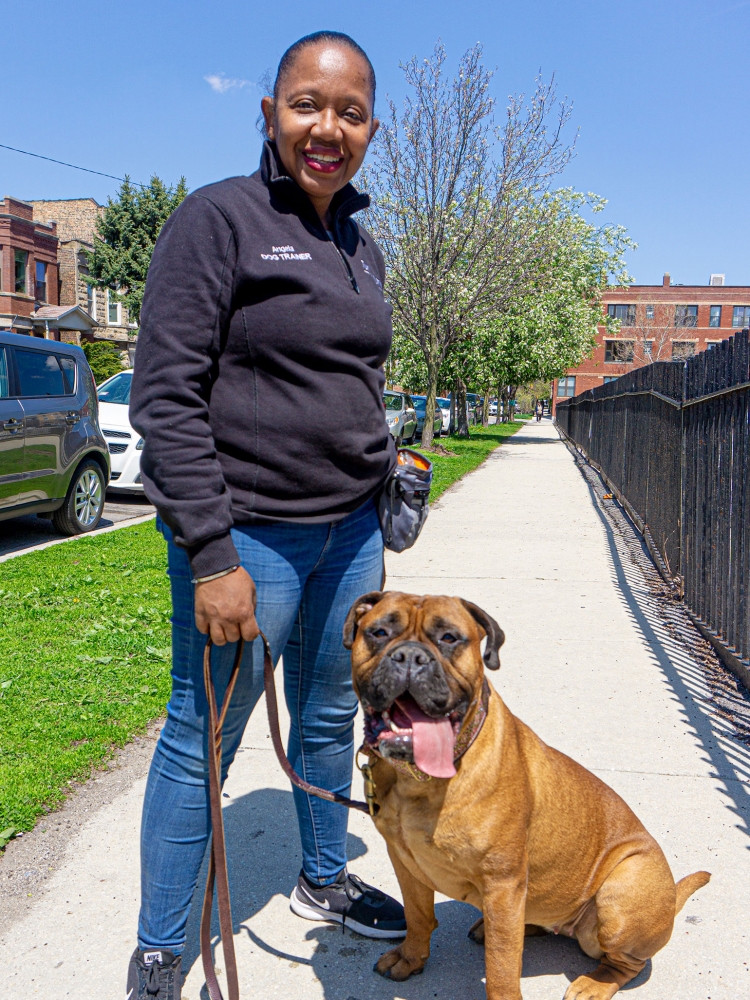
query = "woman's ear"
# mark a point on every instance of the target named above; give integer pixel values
(267, 108)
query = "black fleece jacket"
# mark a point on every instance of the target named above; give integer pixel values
(258, 382)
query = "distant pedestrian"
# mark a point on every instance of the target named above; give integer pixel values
(539, 410)
(264, 302)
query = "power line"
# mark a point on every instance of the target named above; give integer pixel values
(71, 165)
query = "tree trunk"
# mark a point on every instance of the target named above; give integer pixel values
(463, 421)
(452, 428)
(512, 390)
(433, 370)
(504, 394)
(486, 408)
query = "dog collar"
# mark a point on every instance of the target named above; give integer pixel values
(465, 738)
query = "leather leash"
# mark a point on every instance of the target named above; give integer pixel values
(217, 864)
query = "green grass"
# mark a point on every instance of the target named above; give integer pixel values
(85, 649)
(470, 453)
(84, 662)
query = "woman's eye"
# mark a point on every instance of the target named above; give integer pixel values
(448, 637)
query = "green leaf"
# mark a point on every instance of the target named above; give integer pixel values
(6, 835)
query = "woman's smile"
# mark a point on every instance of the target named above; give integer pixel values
(323, 159)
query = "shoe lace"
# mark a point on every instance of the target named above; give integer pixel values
(363, 889)
(155, 980)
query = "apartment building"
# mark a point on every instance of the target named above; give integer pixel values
(75, 220)
(30, 280)
(658, 323)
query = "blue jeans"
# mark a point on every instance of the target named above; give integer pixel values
(307, 577)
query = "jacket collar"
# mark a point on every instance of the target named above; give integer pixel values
(345, 202)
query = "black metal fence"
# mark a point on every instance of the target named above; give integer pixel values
(672, 440)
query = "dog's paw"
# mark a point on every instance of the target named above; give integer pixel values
(586, 988)
(396, 965)
(476, 931)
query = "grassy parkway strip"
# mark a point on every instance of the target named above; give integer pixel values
(85, 650)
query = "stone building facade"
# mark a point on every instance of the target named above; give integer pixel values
(658, 323)
(75, 221)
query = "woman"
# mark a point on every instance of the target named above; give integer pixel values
(258, 390)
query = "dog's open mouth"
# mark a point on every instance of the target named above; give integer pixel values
(405, 732)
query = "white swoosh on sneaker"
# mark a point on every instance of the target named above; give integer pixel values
(324, 905)
(130, 993)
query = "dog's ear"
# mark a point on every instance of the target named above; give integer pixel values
(495, 635)
(360, 607)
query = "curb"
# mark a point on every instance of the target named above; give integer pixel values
(126, 523)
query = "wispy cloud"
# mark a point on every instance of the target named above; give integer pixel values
(221, 84)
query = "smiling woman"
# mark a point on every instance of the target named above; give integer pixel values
(264, 304)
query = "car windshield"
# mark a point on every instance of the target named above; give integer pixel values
(391, 402)
(117, 390)
(444, 404)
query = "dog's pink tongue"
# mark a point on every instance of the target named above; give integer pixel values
(432, 740)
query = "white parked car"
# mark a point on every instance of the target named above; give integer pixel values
(125, 444)
(445, 409)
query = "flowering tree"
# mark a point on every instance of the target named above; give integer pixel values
(448, 215)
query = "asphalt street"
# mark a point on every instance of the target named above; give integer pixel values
(21, 533)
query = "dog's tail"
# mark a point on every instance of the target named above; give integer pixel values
(688, 885)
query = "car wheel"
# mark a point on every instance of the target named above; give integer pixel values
(84, 502)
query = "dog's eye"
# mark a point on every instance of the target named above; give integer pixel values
(378, 633)
(448, 637)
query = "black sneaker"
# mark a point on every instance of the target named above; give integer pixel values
(349, 901)
(155, 974)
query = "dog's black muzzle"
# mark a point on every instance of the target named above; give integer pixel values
(411, 667)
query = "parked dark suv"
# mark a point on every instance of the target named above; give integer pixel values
(53, 458)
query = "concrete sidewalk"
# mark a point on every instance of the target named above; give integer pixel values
(590, 663)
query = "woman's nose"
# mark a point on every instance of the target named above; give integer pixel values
(327, 125)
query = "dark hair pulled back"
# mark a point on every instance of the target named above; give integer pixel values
(335, 37)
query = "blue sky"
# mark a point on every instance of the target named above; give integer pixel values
(660, 89)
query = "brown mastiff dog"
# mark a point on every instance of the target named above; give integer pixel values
(474, 805)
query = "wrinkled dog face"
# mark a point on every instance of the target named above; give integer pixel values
(418, 668)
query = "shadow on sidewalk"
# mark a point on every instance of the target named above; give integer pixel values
(631, 563)
(264, 858)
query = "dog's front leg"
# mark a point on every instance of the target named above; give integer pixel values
(419, 909)
(504, 906)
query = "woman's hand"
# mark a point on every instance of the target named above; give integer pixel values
(225, 608)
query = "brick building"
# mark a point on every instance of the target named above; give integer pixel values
(75, 221)
(29, 277)
(658, 323)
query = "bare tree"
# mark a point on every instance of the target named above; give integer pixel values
(645, 335)
(449, 197)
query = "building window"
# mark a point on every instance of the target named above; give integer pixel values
(648, 348)
(619, 350)
(21, 261)
(649, 312)
(625, 314)
(686, 315)
(41, 281)
(114, 310)
(714, 316)
(91, 301)
(566, 386)
(682, 349)
(741, 316)
(610, 378)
